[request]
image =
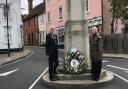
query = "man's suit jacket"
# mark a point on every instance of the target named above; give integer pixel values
(51, 45)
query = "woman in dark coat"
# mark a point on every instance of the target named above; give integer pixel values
(96, 44)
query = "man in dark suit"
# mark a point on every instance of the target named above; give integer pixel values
(52, 52)
(96, 45)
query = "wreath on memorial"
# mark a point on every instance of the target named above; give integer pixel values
(74, 63)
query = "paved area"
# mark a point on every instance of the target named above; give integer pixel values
(25, 74)
(14, 56)
(112, 55)
(25, 71)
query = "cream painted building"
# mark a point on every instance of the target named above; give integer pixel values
(42, 29)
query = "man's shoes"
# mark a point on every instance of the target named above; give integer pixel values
(56, 72)
(97, 79)
(53, 79)
(93, 78)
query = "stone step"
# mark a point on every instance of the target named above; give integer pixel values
(73, 77)
(59, 69)
(86, 76)
(77, 83)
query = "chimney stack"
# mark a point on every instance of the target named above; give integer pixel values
(30, 5)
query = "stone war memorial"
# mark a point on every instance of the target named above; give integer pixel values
(75, 72)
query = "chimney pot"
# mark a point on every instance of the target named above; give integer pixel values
(30, 5)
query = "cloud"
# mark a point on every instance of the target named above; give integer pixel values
(24, 6)
(36, 2)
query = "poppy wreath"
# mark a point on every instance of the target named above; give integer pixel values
(74, 63)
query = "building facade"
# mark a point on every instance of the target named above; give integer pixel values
(56, 15)
(34, 25)
(94, 14)
(15, 25)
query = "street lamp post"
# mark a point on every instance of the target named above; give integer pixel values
(7, 8)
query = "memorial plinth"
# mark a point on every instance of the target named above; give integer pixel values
(81, 81)
(76, 36)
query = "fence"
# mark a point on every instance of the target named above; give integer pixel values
(117, 43)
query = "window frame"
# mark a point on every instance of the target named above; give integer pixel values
(4, 7)
(48, 17)
(60, 15)
(60, 32)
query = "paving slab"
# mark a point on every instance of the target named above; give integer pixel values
(4, 59)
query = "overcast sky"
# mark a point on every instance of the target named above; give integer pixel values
(24, 4)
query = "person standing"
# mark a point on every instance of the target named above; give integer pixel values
(96, 45)
(52, 52)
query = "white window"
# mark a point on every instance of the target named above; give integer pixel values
(36, 35)
(42, 19)
(48, 16)
(61, 31)
(44, 35)
(5, 34)
(60, 13)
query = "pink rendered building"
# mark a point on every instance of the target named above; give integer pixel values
(94, 14)
(56, 15)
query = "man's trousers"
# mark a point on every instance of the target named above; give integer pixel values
(53, 64)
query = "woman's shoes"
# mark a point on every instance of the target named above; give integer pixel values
(95, 78)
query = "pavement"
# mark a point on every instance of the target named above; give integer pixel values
(77, 81)
(23, 73)
(27, 73)
(4, 59)
(105, 55)
(117, 56)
